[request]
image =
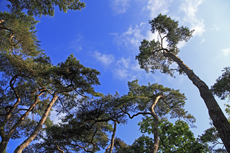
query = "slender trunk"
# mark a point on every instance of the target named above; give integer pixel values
(3, 144)
(25, 114)
(38, 128)
(107, 149)
(5, 138)
(58, 147)
(113, 136)
(155, 129)
(219, 120)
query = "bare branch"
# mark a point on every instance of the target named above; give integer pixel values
(58, 147)
(139, 113)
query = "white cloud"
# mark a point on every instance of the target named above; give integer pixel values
(128, 69)
(131, 37)
(56, 118)
(202, 41)
(119, 6)
(181, 44)
(157, 6)
(214, 28)
(226, 51)
(103, 58)
(122, 67)
(75, 44)
(190, 8)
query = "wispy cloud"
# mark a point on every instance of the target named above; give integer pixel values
(119, 6)
(202, 41)
(75, 44)
(103, 58)
(226, 52)
(157, 6)
(128, 69)
(122, 68)
(132, 37)
(190, 9)
(56, 118)
(214, 28)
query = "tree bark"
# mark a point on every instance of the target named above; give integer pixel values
(113, 136)
(155, 129)
(219, 120)
(6, 138)
(38, 128)
(3, 144)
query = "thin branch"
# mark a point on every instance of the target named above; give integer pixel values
(1, 21)
(82, 147)
(139, 113)
(58, 147)
(113, 136)
(102, 132)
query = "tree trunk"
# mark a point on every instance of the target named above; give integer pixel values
(5, 138)
(3, 144)
(38, 128)
(219, 120)
(113, 136)
(155, 129)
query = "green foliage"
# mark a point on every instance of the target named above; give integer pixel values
(44, 7)
(34, 78)
(141, 145)
(74, 135)
(17, 35)
(151, 57)
(211, 137)
(86, 128)
(222, 86)
(169, 29)
(173, 138)
(140, 98)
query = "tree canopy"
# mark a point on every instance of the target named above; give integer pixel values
(32, 87)
(155, 56)
(222, 86)
(44, 7)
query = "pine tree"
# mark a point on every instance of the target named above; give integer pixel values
(154, 55)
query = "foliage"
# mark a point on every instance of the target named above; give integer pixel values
(44, 7)
(151, 57)
(30, 84)
(17, 35)
(173, 138)
(155, 56)
(75, 135)
(85, 129)
(33, 83)
(222, 86)
(140, 98)
(211, 137)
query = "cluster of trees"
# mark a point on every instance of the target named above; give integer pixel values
(31, 86)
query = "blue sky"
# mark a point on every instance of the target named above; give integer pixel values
(106, 36)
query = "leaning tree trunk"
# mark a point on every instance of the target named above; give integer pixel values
(4, 143)
(37, 129)
(155, 129)
(219, 120)
(113, 137)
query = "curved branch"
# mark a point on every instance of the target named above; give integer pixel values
(58, 147)
(113, 136)
(139, 113)
(38, 127)
(156, 120)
